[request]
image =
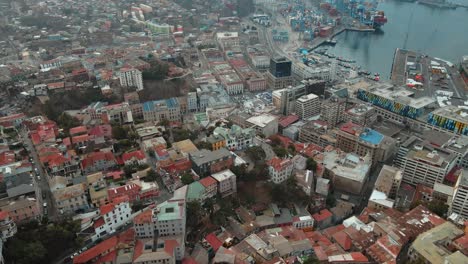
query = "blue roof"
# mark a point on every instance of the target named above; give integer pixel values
(371, 136)
(148, 106)
(172, 102)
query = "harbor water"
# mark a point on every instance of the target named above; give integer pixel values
(441, 33)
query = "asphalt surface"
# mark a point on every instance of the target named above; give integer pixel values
(42, 183)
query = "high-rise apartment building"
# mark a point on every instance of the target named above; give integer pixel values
(423, 163)
(131, 77)
(308, 106)
(459, 203)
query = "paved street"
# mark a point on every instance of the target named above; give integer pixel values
(44, 188)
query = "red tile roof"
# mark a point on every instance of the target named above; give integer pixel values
(324, 214)
(214, 241)
(143, 218)
(320, 253)
(4, 215)
(98, 223)
(170, 245)
(56, 85)
(207, 181)
(96, 251)
(7, 157)
(137, 155)
(351, 128)
(78, 130)
(343, 240)
(109, 207)
(288, 120)
(279, 164)
(97, 156)
(462, 242)
(189, 260)
(80, 138)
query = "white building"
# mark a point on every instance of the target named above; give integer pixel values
(227, 39)
(266, 124)
(459, 203)
(131, 77)
(423, 164)
(226, 182)
(301, 71)
(379, 201)
(112, 216)
(232, 83)
(279, 169)
(301, 222)
(308, 106)
(168, 219)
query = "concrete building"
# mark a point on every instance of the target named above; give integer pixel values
(279, 169)
(347, 171)
(231, 82)
(379, 201)
(206, 162)
(317, 132)
(459, 204)
(130, 77)
(285, 99)
(71, 198)
(308, 106)
(389, 181)
(361, 114)
(351, 137)
(227, 40)
(22, 209)
(423, 163)
(112, 216)
(235, 138)
(279, 75)
(301, 71)
(7, 226)
(266, 124)
(437, 245)
(332, 109)
(305, 180)
(452, 118)
(226, 182)
(168, 109)
(397, 100)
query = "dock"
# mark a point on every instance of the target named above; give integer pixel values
(320, 41)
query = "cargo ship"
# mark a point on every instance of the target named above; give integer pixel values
(379, 19)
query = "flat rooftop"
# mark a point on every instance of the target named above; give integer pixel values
(371, 136)
(307, 97)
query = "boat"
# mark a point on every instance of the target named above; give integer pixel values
(330, 42)
(379, 19)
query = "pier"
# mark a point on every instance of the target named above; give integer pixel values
(320, 41)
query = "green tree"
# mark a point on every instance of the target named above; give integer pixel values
(280, 151)
(311, 260)
(311, 164)
(66, 122)
(151, 176)
(292, 149)
(438, 207)
(255, 153)
(164, 123)
(187, 178)
(203, 145)
(118, 132)
(209, 207)
(194, 211)
(331, 200)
